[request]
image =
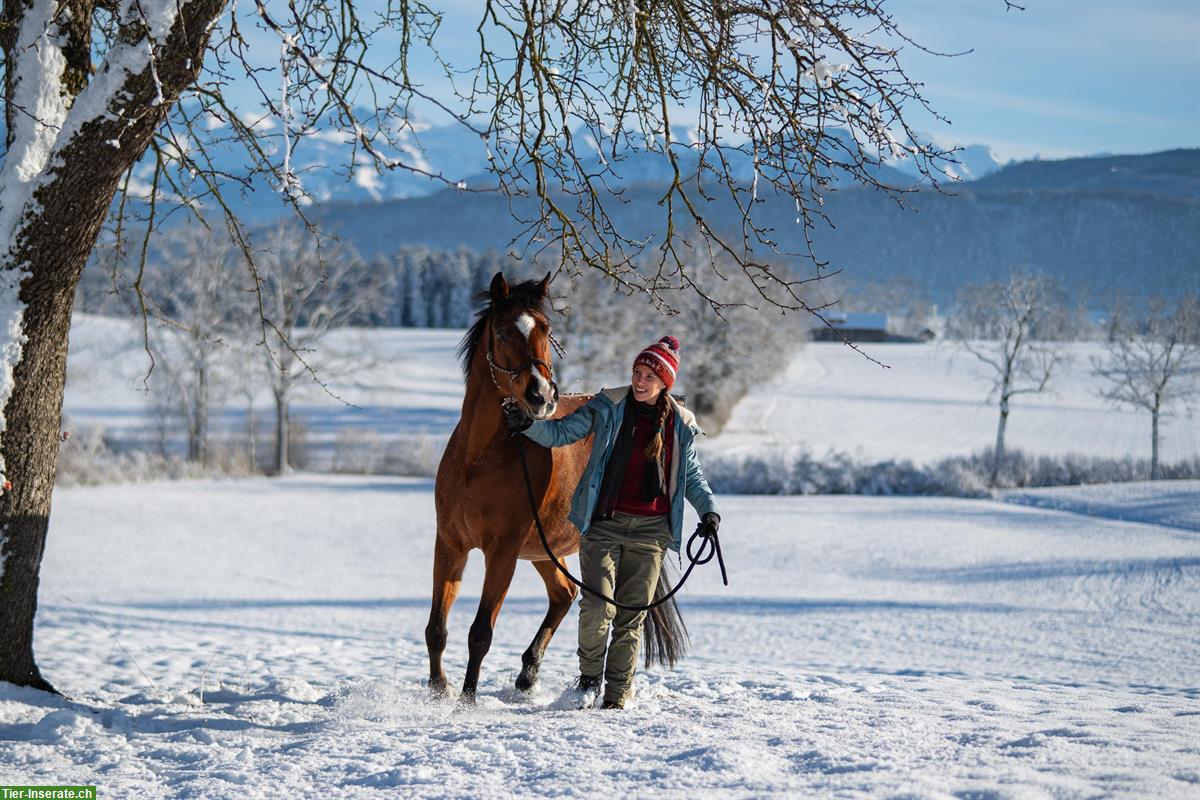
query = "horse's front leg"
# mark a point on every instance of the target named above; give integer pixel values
(448, 563)
(499, 566)
(561, 593)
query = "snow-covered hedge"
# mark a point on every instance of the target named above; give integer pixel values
(90, 458)
(799, 472)
(87, 459)
(366, 453)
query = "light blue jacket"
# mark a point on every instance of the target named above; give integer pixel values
(602, 415)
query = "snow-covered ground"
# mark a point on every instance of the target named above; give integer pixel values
(404, 381)
(930, 404)
(256, 638)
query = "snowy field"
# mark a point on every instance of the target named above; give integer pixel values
(930, 404)
(250, 638)
(405, 382)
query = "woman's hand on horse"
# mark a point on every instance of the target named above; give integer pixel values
(515, 418)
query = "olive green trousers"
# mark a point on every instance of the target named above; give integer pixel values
(620, 557)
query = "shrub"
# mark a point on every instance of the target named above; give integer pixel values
(797, 471)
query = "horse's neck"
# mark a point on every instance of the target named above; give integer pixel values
(482, 420)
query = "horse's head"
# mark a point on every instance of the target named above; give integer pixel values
(518, 344)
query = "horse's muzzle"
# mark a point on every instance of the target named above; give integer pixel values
(540, 405)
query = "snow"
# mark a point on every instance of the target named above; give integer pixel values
(413, 386)
(366, 176)
(884, 136)
(1173, 504)
(106, 88)
(931, 404)
(290, 182)
(252, 638)
(12, 342)
(866, 647)
(822, 73)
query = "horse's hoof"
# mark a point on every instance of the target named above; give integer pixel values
(526, 682)
(465, 705)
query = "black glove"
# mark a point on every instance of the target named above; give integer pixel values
(515, 418)
(709, 524)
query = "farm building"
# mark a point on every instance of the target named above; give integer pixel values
(854, 326)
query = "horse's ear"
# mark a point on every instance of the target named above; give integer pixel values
(499, 289)
(544, 286)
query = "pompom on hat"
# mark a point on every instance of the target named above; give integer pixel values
(662, 358)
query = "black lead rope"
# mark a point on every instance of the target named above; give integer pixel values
(709, 546)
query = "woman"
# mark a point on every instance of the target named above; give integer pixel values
(628, 508)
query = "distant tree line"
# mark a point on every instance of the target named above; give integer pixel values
(220, 335)
(1093, 240)
(412, 287)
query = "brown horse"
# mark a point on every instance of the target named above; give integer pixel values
(480, 492)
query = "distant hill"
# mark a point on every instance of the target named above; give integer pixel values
(1128, 222)
(1174, 173)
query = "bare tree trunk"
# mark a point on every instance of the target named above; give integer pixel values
(998, 451)
(1154, 444)
(55, 248)
(252, 432)
(30, 448)
(52, 246)
(202, 414)
(282, 431)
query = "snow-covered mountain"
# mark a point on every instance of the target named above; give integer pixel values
(329, 168)
(972, 162)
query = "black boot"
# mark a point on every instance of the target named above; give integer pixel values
(587, 688)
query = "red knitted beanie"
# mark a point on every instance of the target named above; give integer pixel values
(663, 358)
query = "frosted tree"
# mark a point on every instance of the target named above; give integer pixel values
(191, 319)
(724, 354)
(120, 107)
(1011, 327)
(1153, 362)
(591, 309)
(302, 307)
(416, 295)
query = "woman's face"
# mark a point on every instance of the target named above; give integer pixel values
(646, 385)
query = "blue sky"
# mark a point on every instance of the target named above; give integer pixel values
(1061, 78)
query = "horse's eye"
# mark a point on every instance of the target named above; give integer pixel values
(502, 335)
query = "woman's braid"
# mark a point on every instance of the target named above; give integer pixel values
(654, 450)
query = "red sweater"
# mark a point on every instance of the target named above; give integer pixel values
(629, 499)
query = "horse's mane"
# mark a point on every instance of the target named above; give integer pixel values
(526, 295)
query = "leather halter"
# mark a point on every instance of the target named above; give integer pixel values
(531, 362)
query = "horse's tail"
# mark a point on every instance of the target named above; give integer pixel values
(665, 637)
